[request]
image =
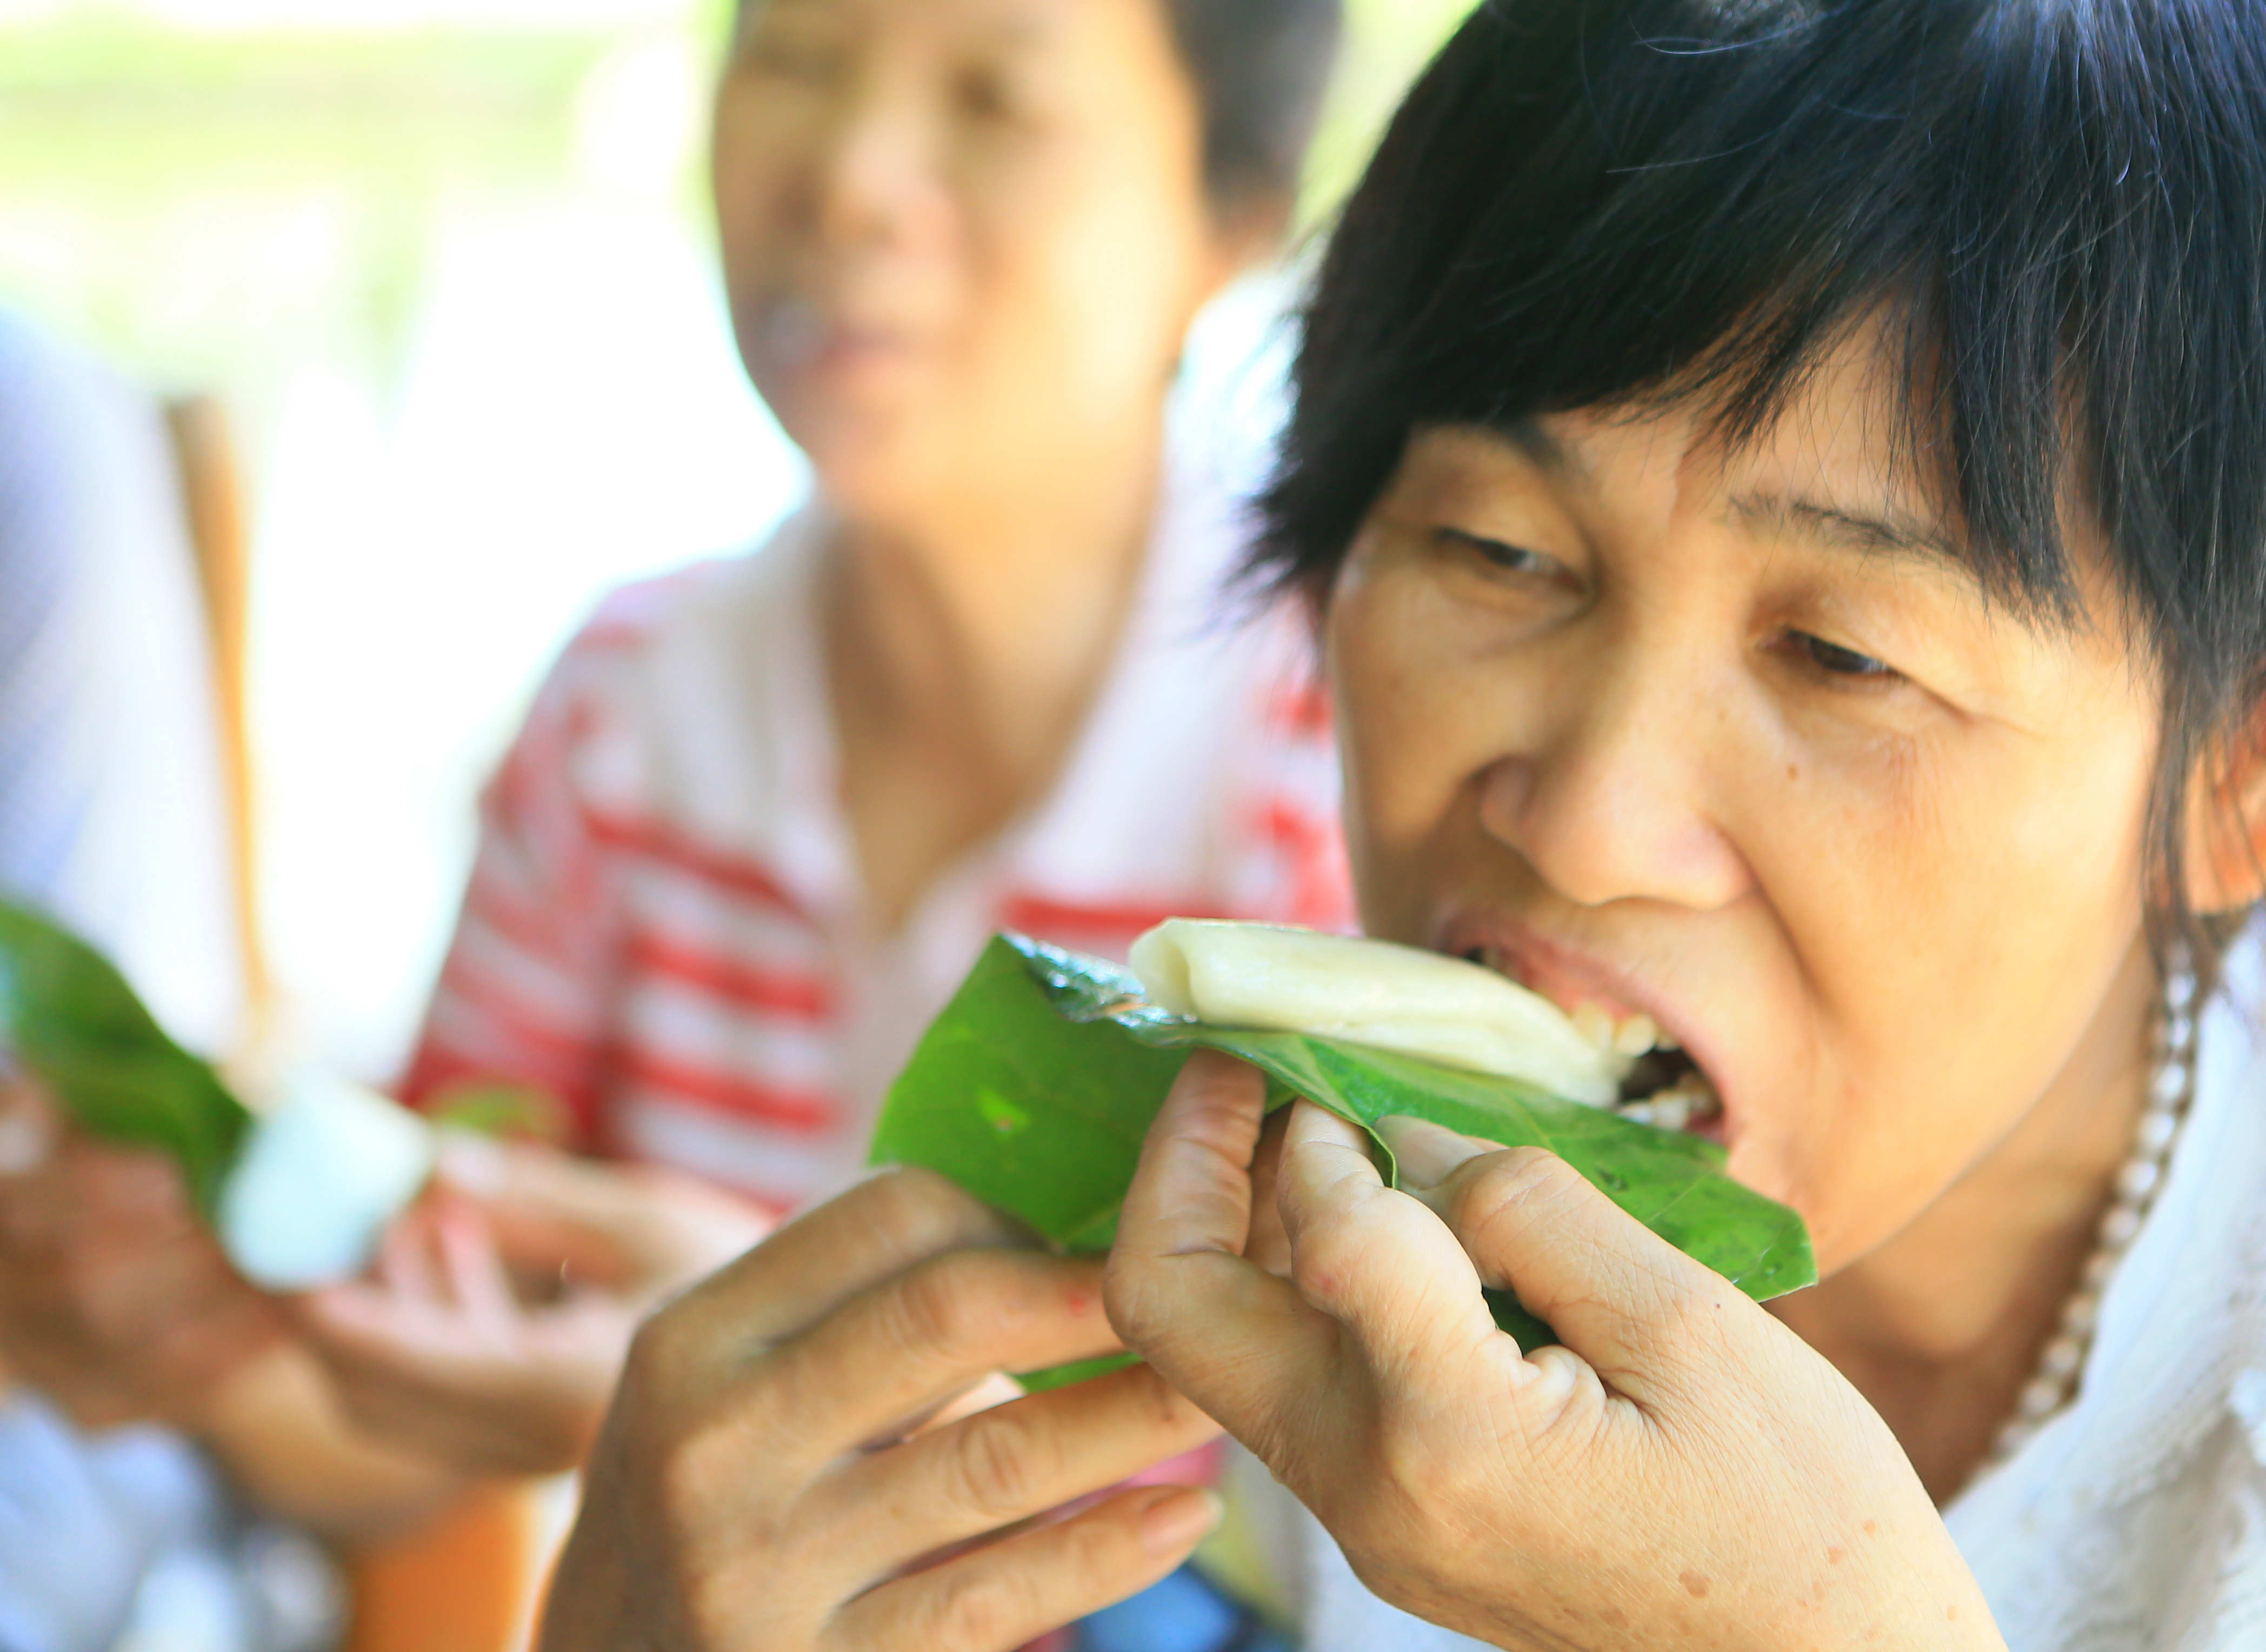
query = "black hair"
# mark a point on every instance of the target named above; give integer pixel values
(1260, 69)
(1587, 203)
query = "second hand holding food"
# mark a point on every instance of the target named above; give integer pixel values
(493, 1329)
(1683, 1472)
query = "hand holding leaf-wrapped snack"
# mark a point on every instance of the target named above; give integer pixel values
(1035, 1088)
(299, 1194)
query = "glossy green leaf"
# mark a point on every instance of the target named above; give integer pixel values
(68, 1016)
(1035, 1088)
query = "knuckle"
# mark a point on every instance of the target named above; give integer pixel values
(1323, 1256)
(978, 1611)
(999, 1463)
(676, 1349)
(1428, 1499)
(1506, 1193)
(963, 1306)
(1095, 1553)
(1127, 1299)
(912, 1207)
(1523, 1176)
(702, 1470)
(936, 1310)
(657, 1352)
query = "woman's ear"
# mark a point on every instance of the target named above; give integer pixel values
(2224, 838)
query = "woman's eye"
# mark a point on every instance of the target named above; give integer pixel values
(1497, 553)
(1836, 661)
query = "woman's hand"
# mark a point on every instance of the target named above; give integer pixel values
(1684, 1472)
(503, 1306)
(788, 1466)
(115, 1299)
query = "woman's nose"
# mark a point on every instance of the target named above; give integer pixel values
(1609, 806)
(878, 176)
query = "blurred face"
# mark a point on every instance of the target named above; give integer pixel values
(1730, 738)
(961, 235)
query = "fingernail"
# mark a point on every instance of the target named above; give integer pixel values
(1179, 1517)
(1428, 1153)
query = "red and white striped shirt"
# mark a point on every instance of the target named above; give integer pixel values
(664, 928)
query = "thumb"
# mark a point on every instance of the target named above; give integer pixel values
(1638, 1309)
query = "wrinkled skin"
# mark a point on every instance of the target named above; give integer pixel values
(1684, 1472)
(799, 1439)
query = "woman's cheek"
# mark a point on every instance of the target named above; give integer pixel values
(1399, 723)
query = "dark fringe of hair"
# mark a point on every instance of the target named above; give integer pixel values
(1589, 203)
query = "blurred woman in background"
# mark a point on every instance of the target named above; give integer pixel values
(766, 810)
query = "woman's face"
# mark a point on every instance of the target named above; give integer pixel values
(959, 236)
(1727, 738)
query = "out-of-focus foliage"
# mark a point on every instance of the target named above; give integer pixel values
(198, 204)
(67, 1016)
(196, 199)
(1387, 41)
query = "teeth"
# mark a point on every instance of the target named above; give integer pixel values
(1596, 1026)
(1621, 1040)
(1636, 1035)
(1690, 1098)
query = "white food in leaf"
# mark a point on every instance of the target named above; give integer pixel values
(1270, 978)
(318, 1181)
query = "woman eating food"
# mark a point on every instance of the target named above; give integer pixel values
(1782, 493)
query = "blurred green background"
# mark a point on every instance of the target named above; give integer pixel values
(447, 262)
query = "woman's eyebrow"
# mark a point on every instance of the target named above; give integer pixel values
(1885, 532)
(1543, 449)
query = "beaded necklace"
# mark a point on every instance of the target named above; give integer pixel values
(2171, 1093)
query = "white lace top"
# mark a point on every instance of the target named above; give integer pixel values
(2137, 1519)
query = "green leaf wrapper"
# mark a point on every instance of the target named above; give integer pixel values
(1035, 1086)
(69, 1019)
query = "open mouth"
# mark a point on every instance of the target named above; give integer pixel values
(1660, 1084)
